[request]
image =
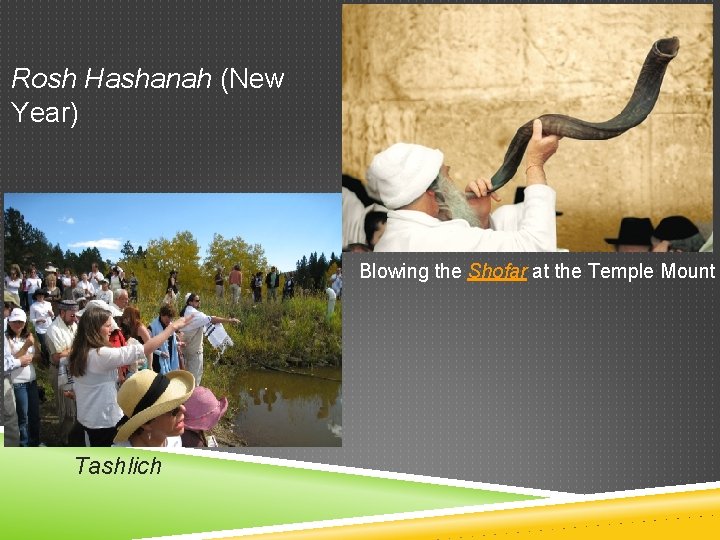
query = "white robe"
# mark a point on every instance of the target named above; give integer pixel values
(531, 228)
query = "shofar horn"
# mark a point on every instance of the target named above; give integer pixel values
(641, 103)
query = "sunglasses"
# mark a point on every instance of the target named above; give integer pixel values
(174, 412)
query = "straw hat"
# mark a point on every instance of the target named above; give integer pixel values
(203, 410)
(146, 395)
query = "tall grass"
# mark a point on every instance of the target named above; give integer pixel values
(297, 331)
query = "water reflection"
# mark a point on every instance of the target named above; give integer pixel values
(282, 409)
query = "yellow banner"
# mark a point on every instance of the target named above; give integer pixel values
(694, 514)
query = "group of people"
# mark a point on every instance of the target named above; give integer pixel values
(24, 285)
(409, 203)
(92, 351)
(271, 282)
(673, 233)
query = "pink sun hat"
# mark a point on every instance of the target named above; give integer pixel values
(203, 410)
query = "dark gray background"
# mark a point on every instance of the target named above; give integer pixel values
(280, 140)
(582, 386)
(573, 385)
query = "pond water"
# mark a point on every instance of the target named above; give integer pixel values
(282, 409)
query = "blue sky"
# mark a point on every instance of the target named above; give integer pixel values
(286, 225)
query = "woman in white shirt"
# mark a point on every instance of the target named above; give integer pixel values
(153, 407)
(94, 365)
(41, 315)
(13, 282)
(32, 283)
(19, 344)
(104, 294)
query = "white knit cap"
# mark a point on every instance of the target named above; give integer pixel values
(400, 174)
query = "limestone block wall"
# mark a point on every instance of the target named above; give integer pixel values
(463, 78)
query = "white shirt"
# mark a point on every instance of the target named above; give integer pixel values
(172, 442)
(9, 361)
(60, 335)
(194, 330)
(96, 392)
(41, 311)
(33, 284)
(115, 284)
(105, 296)
(12, 285)
(410, 230)
(353, 218)
(95, 279)
(18, 374)
(88, 287)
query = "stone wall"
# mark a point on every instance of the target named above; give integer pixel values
(463, 78)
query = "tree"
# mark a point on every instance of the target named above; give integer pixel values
(302, 273)
(88, 256)
(182, 254)
(24, 243)
(70, 260)
(322, 266)
(128, 251)
(226, 253)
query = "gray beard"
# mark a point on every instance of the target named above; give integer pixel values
(454, 204)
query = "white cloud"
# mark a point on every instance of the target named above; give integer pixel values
(69, 220)
(102, 243)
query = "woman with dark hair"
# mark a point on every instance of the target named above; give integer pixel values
(167, 356)
(33, 283)
(94, 365)
(172, 282)
(154, 411)
(202, 413)
(169, 297)
(19, 343)
(132, 327)
(219, 283)
(194, 334)
(114, 280)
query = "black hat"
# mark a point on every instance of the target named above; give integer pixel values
(633, 232)
(520, 197)
(675, 228)
(39, 291)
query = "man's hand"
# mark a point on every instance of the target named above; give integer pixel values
(538, 151)
(481, 203)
